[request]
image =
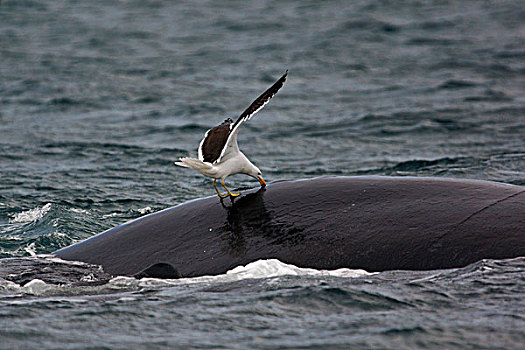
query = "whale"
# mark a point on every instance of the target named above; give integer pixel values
(360, 222)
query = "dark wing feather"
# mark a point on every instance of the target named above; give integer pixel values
(231, 142)
(214, 142)
(261, 100)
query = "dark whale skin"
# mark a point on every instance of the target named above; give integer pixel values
(366, 222)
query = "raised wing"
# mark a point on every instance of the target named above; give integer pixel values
(229, 143)
(260, 101)
(256, 105)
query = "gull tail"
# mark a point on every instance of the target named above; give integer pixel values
(193, 163)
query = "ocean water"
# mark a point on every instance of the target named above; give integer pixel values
(97, 99)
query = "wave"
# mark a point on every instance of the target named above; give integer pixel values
(46, 228)
(45, 275)
(454, 84)
(31, 215)
(419, 167)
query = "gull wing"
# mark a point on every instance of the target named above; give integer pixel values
(256, 105)
(214, 142)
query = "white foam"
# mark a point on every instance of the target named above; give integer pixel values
(145, 210)
(31, 215)
(38, 287)
(56, 259)
(269, 268)
(274, 268)
(9, 286)
(31, 249)
(80, 211)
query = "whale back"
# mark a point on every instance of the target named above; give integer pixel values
(371, 223)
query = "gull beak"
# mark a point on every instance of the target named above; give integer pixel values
(261, 181)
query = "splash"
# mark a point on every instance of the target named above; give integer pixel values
(145, 210)
(48, 275)
(275, 268)
(260, 269)
(31, 215)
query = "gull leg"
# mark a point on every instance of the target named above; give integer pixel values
(226, 188)
(218, 193)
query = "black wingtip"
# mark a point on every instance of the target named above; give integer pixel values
(283, 77)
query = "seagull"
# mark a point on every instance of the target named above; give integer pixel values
(219, 154)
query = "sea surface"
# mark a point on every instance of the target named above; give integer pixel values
(97, 99)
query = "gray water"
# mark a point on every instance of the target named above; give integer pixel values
(97, 99)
